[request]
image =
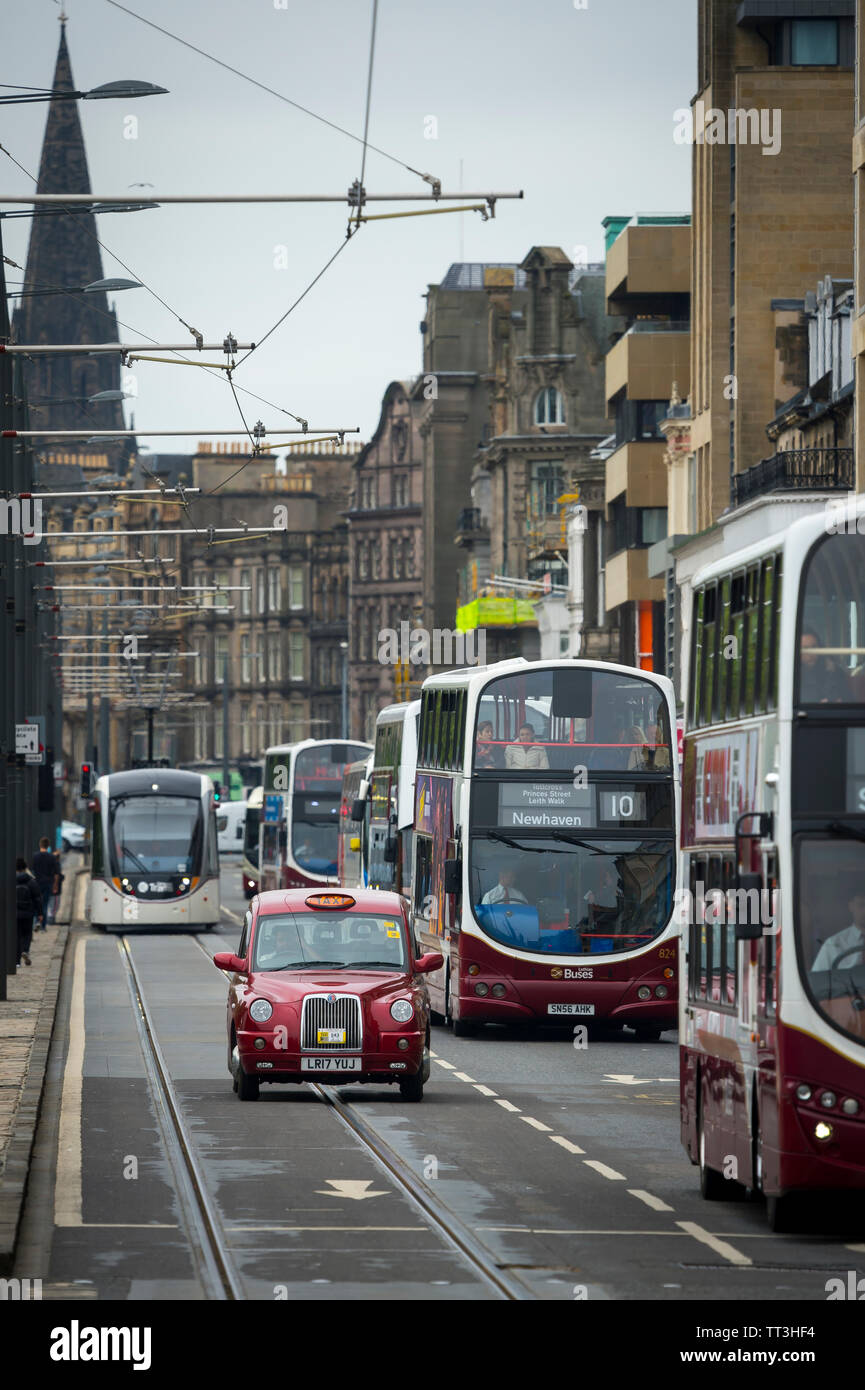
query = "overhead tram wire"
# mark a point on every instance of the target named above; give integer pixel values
(366, 114)
(280, 96)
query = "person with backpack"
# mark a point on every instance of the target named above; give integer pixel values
(46, 871)
(28, 902)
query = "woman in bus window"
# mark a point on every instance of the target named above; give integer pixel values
(486, 753)
(526, 753)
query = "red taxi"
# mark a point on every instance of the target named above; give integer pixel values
(325, 986)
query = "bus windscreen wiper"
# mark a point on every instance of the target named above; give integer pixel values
(505, 839)
(837, 827)
(573, 840)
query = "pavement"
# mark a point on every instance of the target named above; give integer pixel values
(26, 1024)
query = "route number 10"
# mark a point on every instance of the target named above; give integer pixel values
(621, 807)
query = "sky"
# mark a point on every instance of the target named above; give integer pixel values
(572, 105)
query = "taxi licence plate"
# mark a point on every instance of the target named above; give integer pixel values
(331, 1063)
(587, 1010)
(330, 1035)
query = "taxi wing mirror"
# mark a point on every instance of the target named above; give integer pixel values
(429, 962)
(227, 960)
(453, 876)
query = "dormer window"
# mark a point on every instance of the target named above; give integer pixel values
(549, 407)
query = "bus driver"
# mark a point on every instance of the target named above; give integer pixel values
(504, 891)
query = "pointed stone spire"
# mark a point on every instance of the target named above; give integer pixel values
(64, 253)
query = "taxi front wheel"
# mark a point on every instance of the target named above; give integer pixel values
(247, 1086)
(411, 1087)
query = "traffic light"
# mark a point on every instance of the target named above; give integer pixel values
(217, 791)
(86, 778)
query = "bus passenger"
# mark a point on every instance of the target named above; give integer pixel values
(822, 680)
(847, 946)
(486, 754)
(526, 753)
(637, 756)
(504, 891)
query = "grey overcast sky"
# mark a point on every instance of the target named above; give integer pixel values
(575, 106)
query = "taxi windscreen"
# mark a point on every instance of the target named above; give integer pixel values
(339, 940)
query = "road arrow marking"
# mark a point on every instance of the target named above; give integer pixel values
(628, 1079)
(354, 1191)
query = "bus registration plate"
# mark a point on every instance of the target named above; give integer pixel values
(331, 1063)
(585, 1009)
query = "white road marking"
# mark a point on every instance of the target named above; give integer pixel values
(239, 1230)
(484, 1090)
(604, 1171)
(650, 1199)
(350, 1188)
(535, 1124)
(720, 1247)
(227, 912)
(506, 1105)
(566, 1144)
(628, 1079)
(461, 1076)
(67, 1179)
(449, 1066)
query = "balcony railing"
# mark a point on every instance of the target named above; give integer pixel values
(796, 470)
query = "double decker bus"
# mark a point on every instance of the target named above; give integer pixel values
(546, 803)
(391, 796)
(772, 1008)
(154, 856)
(249, 862)
(352, 860)
(299, 825)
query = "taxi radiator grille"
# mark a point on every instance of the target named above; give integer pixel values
(344, 1013)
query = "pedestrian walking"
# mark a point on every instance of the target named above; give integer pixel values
(28, 901)
(46, 871)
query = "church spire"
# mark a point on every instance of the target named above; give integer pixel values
(64, 254)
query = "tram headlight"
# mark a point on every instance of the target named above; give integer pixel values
(803, 1091)
(828, 1099)
(644, 992)
(260, 1010)
(850, 1106)
(185, 882)
(402, 1010)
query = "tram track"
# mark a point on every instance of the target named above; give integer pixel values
(435, 1213)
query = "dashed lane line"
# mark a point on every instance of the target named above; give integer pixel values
(536, 1124)
(566, 1144)
(720, 1247)
(484, 1090)
(461, 1076)
(448, 1066)
(604, 1171)
(650, 1199)
(506, 1105)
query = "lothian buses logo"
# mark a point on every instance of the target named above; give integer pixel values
(556, 973)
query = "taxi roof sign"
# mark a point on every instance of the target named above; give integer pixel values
(330, 900)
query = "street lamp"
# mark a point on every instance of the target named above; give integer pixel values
(107, 286)
(343, 646)
(126, 89)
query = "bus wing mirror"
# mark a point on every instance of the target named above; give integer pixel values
(453, 876)
(747, 918)
(389, 853)
(358, 809)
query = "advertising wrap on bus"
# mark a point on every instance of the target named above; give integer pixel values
(719, 783)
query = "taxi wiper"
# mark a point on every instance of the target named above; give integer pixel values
(837, 827)
(368, 964)
(310, 965)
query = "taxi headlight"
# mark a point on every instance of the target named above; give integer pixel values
(402, 1010)
(260, 1010)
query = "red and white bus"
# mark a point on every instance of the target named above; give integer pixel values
(772, 1005)
(352, 860)
(546, 802)
(299, 826)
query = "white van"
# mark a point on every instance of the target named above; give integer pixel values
(230, 818)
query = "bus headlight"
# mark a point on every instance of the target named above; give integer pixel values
(644, 992)
(482, 989)
(828, 1099)
(402, 1010)
(822, 1131)
(661, 991)
(850, 1106)
(260, 1010)
(803, 1092)
(499, 991)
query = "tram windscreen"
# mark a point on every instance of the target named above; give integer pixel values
(830, 926)
(571, 896)
(156, 834)
(560, 718)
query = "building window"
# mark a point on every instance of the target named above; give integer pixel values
(653, 524)
(220, 660)
(396, 557)
(546, 486)
(368, 493)
(363, 560)
(222, 580)
(200, 735)
(218, 740)
(260, 582)
(636, 420)
(295, 656)
(246, 598)
(275, 725)
(274, 589)
(814, 42)
(274, 662)
(295, 587)
(260, 728)
(549, 407)
(199, 664)
(245, 658)
(245, 731)
(400, 490)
